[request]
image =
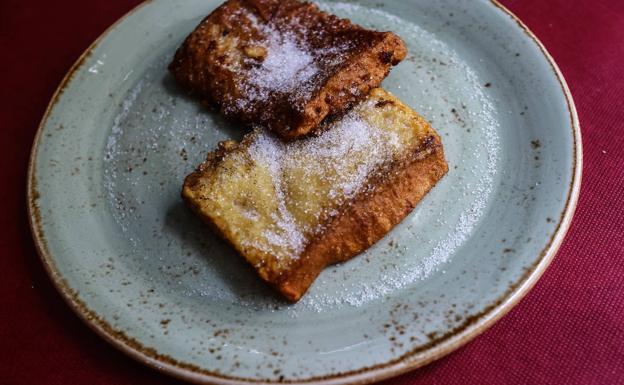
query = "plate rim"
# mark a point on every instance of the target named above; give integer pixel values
(432, 351)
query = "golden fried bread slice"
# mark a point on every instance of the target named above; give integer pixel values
(282, 64)
(292, 208)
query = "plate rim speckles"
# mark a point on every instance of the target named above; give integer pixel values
(425, 354)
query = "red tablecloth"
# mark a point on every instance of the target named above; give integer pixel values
(569, 329)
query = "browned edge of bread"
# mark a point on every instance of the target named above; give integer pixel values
(363, 72)
(368, 218)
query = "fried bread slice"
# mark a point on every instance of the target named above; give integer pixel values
(292, 208)
(282, 64)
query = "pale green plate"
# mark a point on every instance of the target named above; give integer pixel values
(137, 266)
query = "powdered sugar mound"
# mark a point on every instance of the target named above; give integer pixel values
(283, 63)
(286, 65)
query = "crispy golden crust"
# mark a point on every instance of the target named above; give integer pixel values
(368, 219)
(331, 62)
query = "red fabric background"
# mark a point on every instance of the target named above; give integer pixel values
(569, 329)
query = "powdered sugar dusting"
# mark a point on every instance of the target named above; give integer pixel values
(286, 65)
(280, 62)
(113, 147)
(287, 237)
(345, 156)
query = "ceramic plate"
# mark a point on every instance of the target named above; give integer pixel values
(141, 270)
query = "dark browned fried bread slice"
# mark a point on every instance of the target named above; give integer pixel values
(283, 64)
